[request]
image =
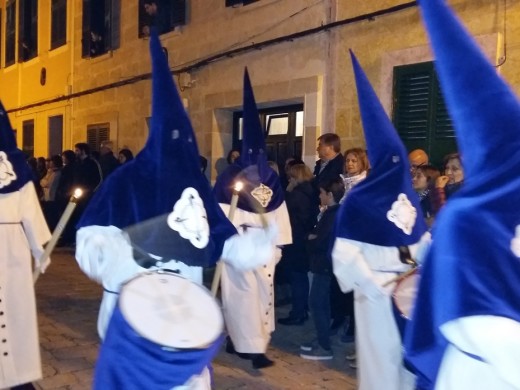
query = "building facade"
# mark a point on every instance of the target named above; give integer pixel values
(96, 84)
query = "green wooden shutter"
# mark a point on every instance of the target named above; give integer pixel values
(419, 111)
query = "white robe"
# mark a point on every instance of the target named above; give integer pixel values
(248, 296)
(496, 340)
(23, 231)
(364, 268)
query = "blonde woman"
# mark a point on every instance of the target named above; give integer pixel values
(356, 168)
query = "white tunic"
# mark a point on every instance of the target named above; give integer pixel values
(23, 231)
(248, 296)
(496, 340)
(364, 268)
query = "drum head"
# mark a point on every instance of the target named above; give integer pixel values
(170, 310)
(405, 293)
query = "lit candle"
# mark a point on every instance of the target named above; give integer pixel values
(231, 214)
(57, 231)
(234, 200)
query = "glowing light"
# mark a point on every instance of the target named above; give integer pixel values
(238, 186)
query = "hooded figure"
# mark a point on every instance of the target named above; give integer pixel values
(248, 296)
(465, 330)
(380, 219)
(23, 231)
(156, 212)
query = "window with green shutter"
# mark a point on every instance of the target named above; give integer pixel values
(97, 134)
(419, 111)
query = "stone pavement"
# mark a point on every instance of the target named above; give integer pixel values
(67, 311)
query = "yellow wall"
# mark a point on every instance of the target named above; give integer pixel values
(20, 83)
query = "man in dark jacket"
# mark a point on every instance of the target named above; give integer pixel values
(331, 163)
(107, 160)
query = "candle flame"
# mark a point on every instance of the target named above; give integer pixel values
(78, 192)
(238, 186)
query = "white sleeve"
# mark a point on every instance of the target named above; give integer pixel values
(251, 249)
(495, 339)
(352, 270)
(104, 254)
(34, 224)
(420, 250)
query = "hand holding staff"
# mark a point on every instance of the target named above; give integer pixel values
(232, 208)
(57, 232)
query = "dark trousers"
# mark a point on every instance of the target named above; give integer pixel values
(339, 302)
(300, 294)
(319, 302)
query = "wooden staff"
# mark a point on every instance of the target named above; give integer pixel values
(57, 231)
(398, 278)
(231, 214)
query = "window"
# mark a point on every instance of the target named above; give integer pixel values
(238, 3)
(419, 111)
(55, 135)
(164, 15)
(28, 137)
(284, 132)
(101, 25)
(0, 37)
(58, 23)
(28, 30)
(10, 32)
(97, 134)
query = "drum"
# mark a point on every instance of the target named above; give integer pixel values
(403, 299)
(163, 333)
(169, 310)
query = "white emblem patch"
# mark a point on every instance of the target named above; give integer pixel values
(189, 218)
(262, 194)
(402, 214)
(7, 174)
(515, 242)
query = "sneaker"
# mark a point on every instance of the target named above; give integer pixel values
(309, 346)
(351, 356)
(317, 353)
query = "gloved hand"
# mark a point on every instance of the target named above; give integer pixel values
(251, 249)
(97, 247)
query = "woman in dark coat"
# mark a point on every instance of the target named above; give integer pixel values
(302, 205)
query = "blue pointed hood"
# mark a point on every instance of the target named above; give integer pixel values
(163, 188)
(473, 267)
(383, 209)
(259, 180)
(14, 170)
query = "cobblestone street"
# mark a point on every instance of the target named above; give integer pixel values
(67, 310)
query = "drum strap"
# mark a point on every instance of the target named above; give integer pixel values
(406, 257)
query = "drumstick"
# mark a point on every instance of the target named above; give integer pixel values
(231, 214)
(399, 277)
